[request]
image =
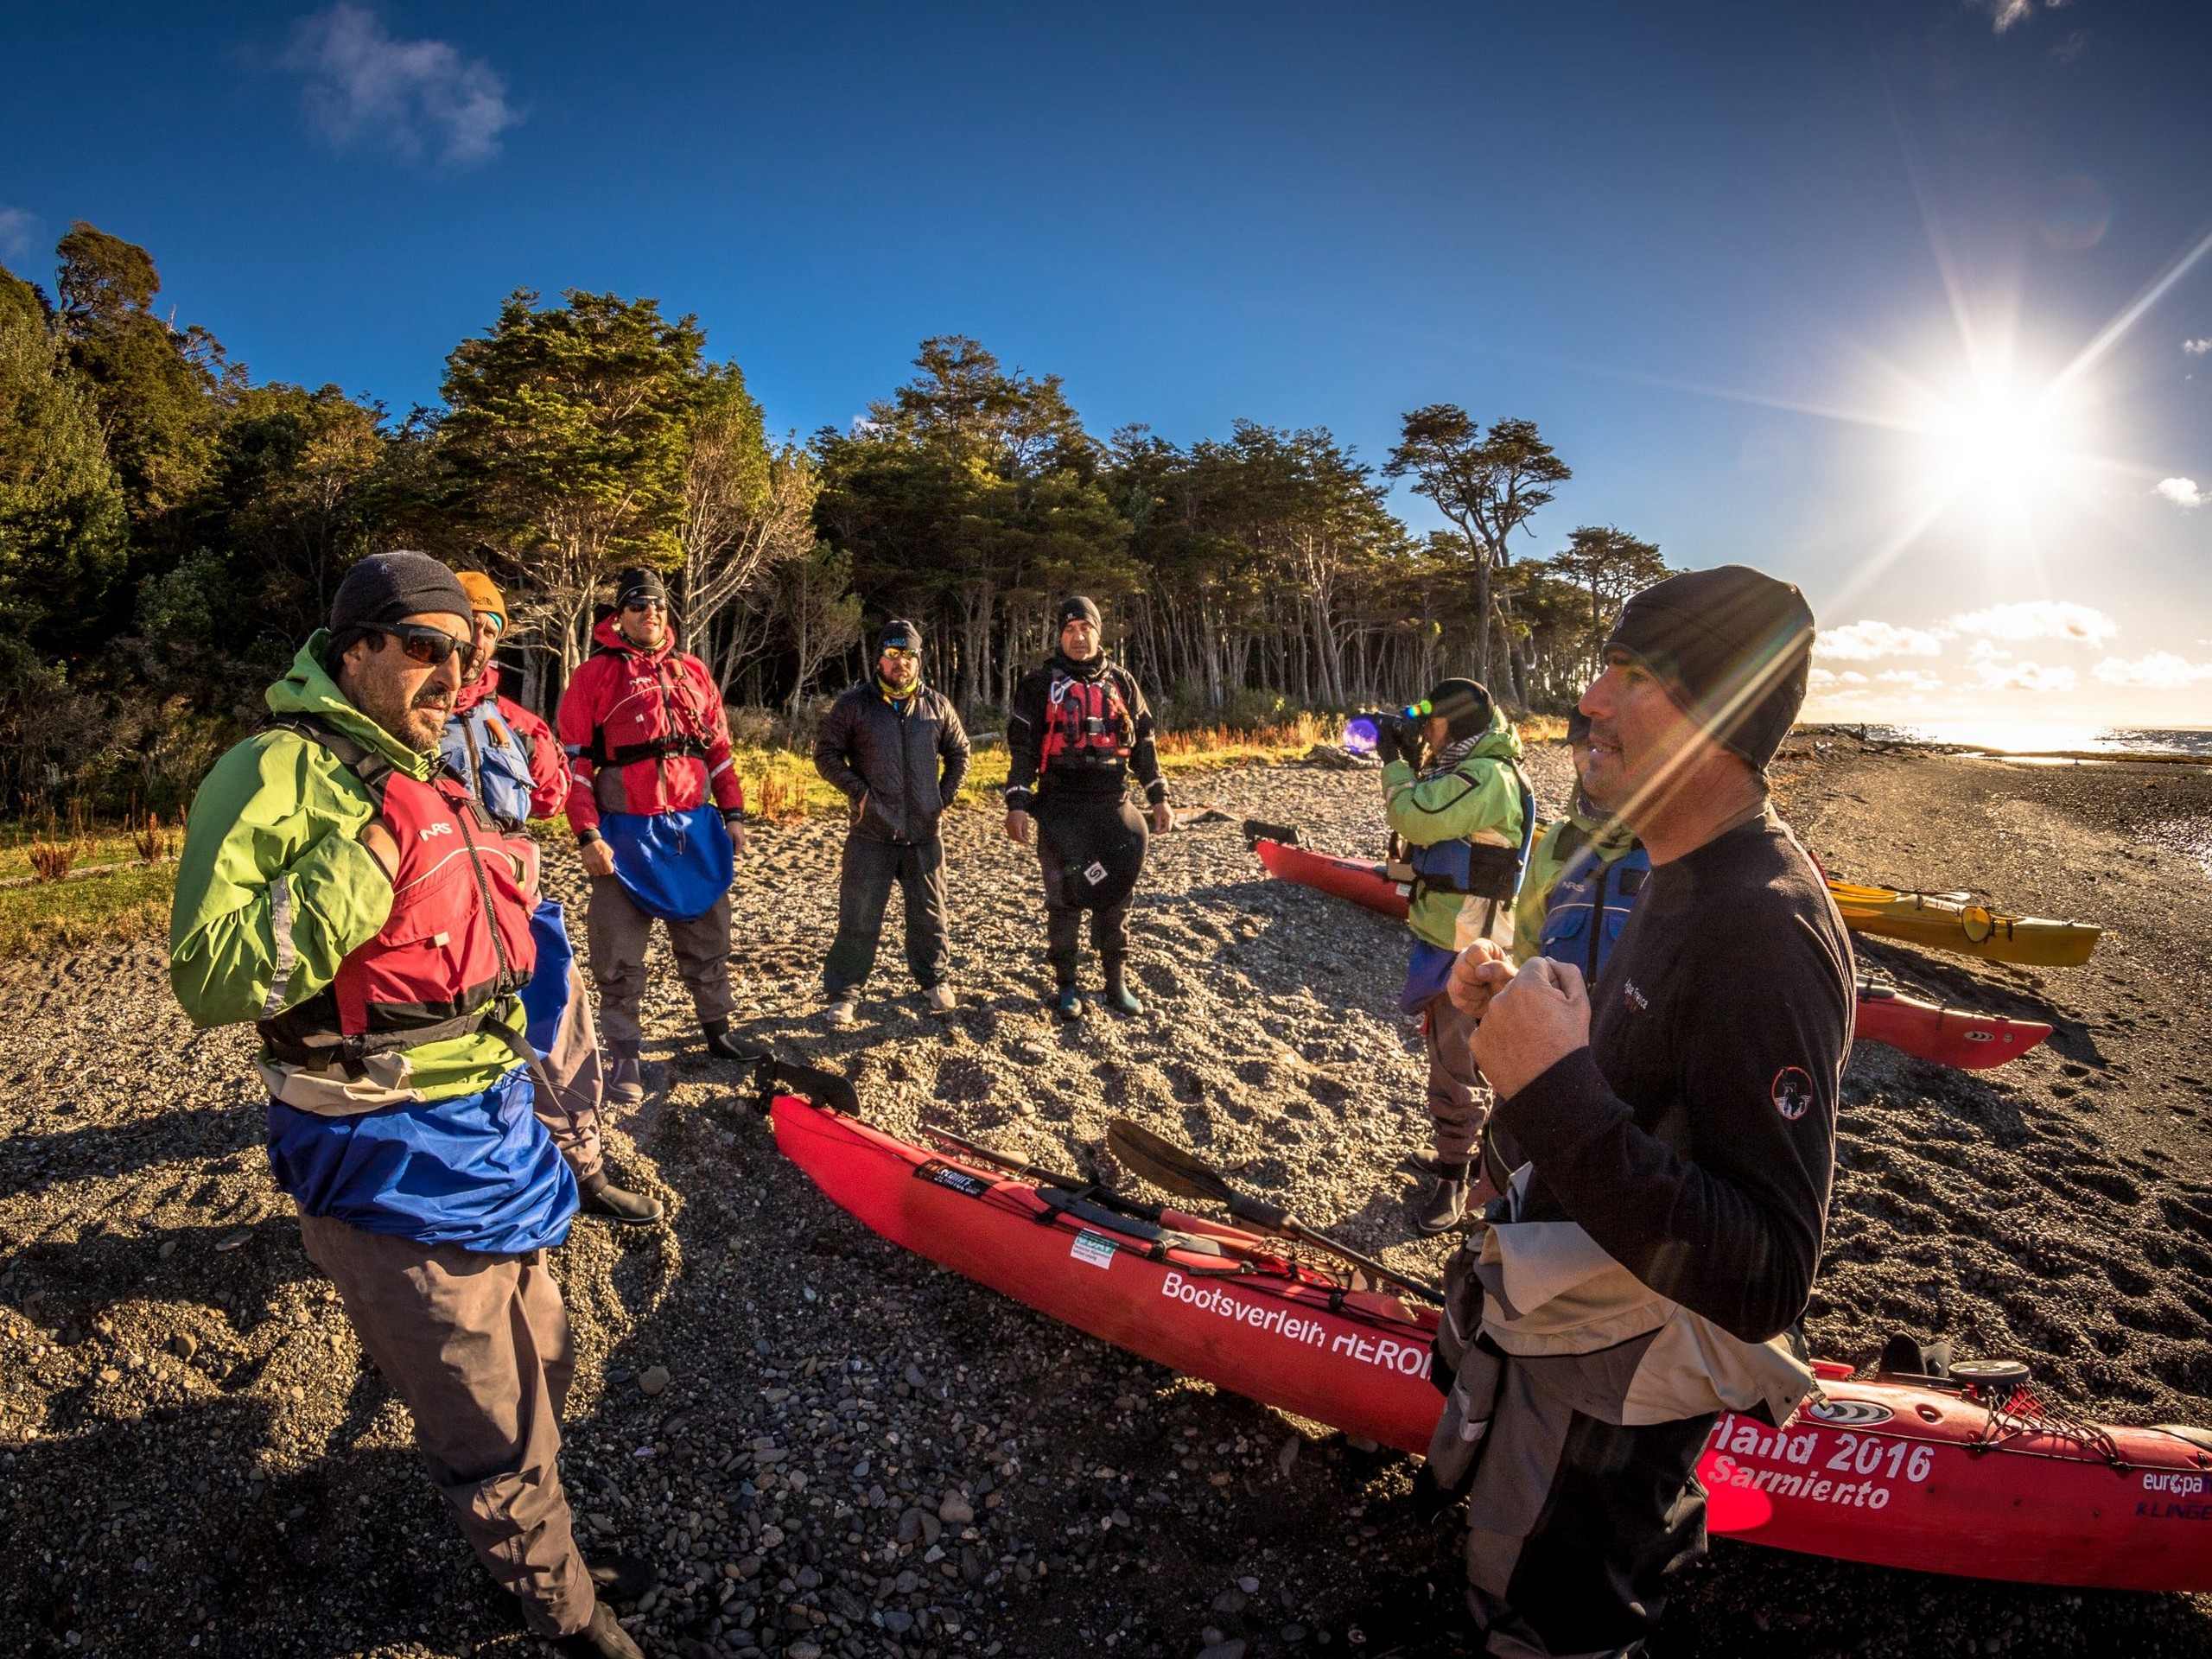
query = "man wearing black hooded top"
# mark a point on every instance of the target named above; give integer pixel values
(1078, 727)
(1650, 1261)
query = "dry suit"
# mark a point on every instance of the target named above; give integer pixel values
(400, 1118)
(1075, 732)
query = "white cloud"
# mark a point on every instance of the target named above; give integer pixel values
(413, 97)
(2039, 619)
(2182, 491)
(2003, 13)
(2159, 671)
(1915, 680)
(1862, 642)
(17, 228)
(1819, 677)
(2025, 676)
(2197, 348)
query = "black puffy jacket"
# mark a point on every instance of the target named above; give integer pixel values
(900, 763)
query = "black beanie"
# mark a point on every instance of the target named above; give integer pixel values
(1074, 606)
(897, 635)
(638, 582)
(1733, 647)
(386, 587)
(1463, 704)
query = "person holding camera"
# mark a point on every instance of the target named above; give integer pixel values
(1455, 798)
(896, 749)
(1076, 728)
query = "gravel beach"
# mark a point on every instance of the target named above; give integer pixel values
(829, 1446)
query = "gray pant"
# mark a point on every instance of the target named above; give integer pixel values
(864, 879)
(478, 1347)
(620, 931)
(1574, 1519)
(572, 1066)
(1458, 1099)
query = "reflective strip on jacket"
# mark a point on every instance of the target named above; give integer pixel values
(274, 889)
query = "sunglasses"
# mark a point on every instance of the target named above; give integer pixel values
(898, 656)
(427, 645)
(646, 605)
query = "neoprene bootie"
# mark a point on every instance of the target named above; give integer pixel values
(625, 1081)
(598, 1196)
(1068, 1005)
(1445, 1209)
(723, 1046)
(603, 1639)
(1120, 998)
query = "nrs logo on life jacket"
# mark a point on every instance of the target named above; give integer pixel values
(457, 942)
(1086, 720)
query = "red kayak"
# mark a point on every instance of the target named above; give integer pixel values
(1927, 1031)
(1956, 1037)
(1895, 1473)
(1362, 882)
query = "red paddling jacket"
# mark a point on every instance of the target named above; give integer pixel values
(644, 732)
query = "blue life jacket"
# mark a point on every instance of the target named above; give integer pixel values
(479, 1170)
(1590, 905)
(489, 756)
(1478, 869)
(673, 865)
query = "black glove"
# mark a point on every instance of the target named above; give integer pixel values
(1386, 741)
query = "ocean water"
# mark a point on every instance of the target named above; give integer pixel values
(2037, 739)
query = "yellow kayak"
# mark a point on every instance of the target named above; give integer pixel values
(1954, 921)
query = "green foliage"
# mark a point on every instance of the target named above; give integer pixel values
(61, 508)
(566, 439)
(187, 606)
(970, 499)
(299, 487)
(157, 387)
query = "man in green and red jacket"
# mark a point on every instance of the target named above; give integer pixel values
(341, 890)
(659, 815)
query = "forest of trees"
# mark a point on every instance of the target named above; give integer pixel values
(170, 530)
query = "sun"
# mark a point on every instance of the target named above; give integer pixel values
(1999, 448)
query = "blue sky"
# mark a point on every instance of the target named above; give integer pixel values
(1783, 284)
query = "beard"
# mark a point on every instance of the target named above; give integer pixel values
(417, 722)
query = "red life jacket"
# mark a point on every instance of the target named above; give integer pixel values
(1085, 720)
(457, 943)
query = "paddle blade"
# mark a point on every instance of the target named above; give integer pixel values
(1258, 829)
(1163, 1163)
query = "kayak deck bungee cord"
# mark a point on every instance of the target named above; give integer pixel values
(1969, 1476)
(1927, 1031)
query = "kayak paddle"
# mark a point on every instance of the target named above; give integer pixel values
(1167, 1165)
(1037, 1174)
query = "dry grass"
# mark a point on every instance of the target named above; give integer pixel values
(154, 840)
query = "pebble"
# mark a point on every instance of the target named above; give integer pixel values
(954, 1510)
(1232, 1649)
(803, 1650)
(653, 1380)
(183, 1343)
